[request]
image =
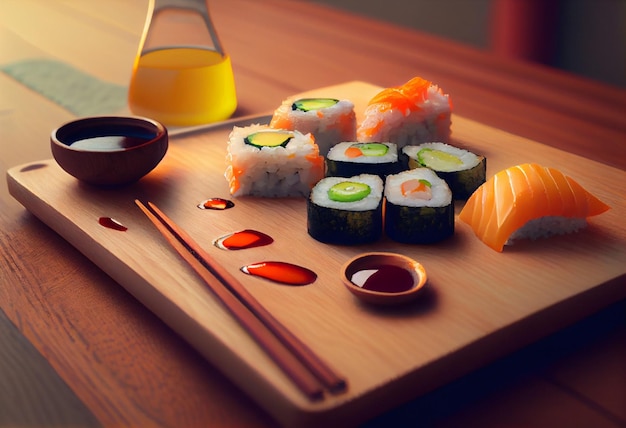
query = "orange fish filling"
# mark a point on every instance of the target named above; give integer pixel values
(405, 97)
(416, 189)
(353, 152)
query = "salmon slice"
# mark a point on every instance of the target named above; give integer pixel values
(417, 103)
(405, 98)
(516, 195)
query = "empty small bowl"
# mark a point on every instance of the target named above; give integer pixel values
(109, 150)
(383, 278)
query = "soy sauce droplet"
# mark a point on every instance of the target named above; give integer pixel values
(243, 239)
(281, 272)
(111, 223)
(216, 204)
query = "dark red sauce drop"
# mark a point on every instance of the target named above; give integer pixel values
(216, 204)
(384, 278)
(281, 272)
(111, 223)
(243, 239)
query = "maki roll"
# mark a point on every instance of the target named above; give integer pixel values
(266, 162)
(418, 207)
(348, 158)
(329, 120)
(416, 112)
(461, 169)
(346, 210)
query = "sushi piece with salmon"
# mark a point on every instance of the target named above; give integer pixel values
(418, 207)
(329, 120)
(416, 112)
(528, 201)
(463, 170)
(347, 158)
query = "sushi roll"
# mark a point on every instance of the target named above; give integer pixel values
(418, 207)
(346, 210)
(266, 162)
(528, 201)
(329, 120)
(416, 112)
(461, 169)
(349, 158)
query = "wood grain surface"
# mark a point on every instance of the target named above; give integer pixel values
(127, 367)
(479, 306)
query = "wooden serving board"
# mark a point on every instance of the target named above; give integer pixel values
(478, 305)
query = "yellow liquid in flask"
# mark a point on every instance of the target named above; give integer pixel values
(183, 86)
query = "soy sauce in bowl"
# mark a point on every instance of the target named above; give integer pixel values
(383, 278)
(109, 150)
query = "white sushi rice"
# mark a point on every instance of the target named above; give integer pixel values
(337, 153)
(469, 160)
(272, 171)
(319, 194)
(431, 122)
(441, 193)
(545, 227)
(322, 123)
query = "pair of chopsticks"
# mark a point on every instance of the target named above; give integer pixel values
(308, 372)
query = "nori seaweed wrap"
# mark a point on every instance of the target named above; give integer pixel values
(347, 159)
(463, 170)
(346, 210)
(418, 207)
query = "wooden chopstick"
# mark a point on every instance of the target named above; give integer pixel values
(298, 361)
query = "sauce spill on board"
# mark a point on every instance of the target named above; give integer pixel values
(281, 272)
(243, 239)
(111, 223)
(384, 278)
(216, 204)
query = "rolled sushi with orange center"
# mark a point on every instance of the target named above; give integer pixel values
(346, 159)
(418, 207)
(416, 112)
(463, 170)
(528, 201)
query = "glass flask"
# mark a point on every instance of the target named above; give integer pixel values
(181, 75)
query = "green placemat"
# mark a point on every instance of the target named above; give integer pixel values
(72, 89)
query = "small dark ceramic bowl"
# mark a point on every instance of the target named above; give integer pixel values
(400, 281)
(109, 150)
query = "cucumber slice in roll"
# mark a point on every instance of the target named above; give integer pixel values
(269, 139)
(372, 149)
(438, 160)
(308, 104)
(348, 191)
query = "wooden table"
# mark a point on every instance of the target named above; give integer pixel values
(79, 350)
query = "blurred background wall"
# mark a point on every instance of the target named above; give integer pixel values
(584, 37)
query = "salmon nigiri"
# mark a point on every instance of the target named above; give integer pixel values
(413, 113)
(528, 201)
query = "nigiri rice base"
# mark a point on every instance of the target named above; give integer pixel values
(545, 227)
